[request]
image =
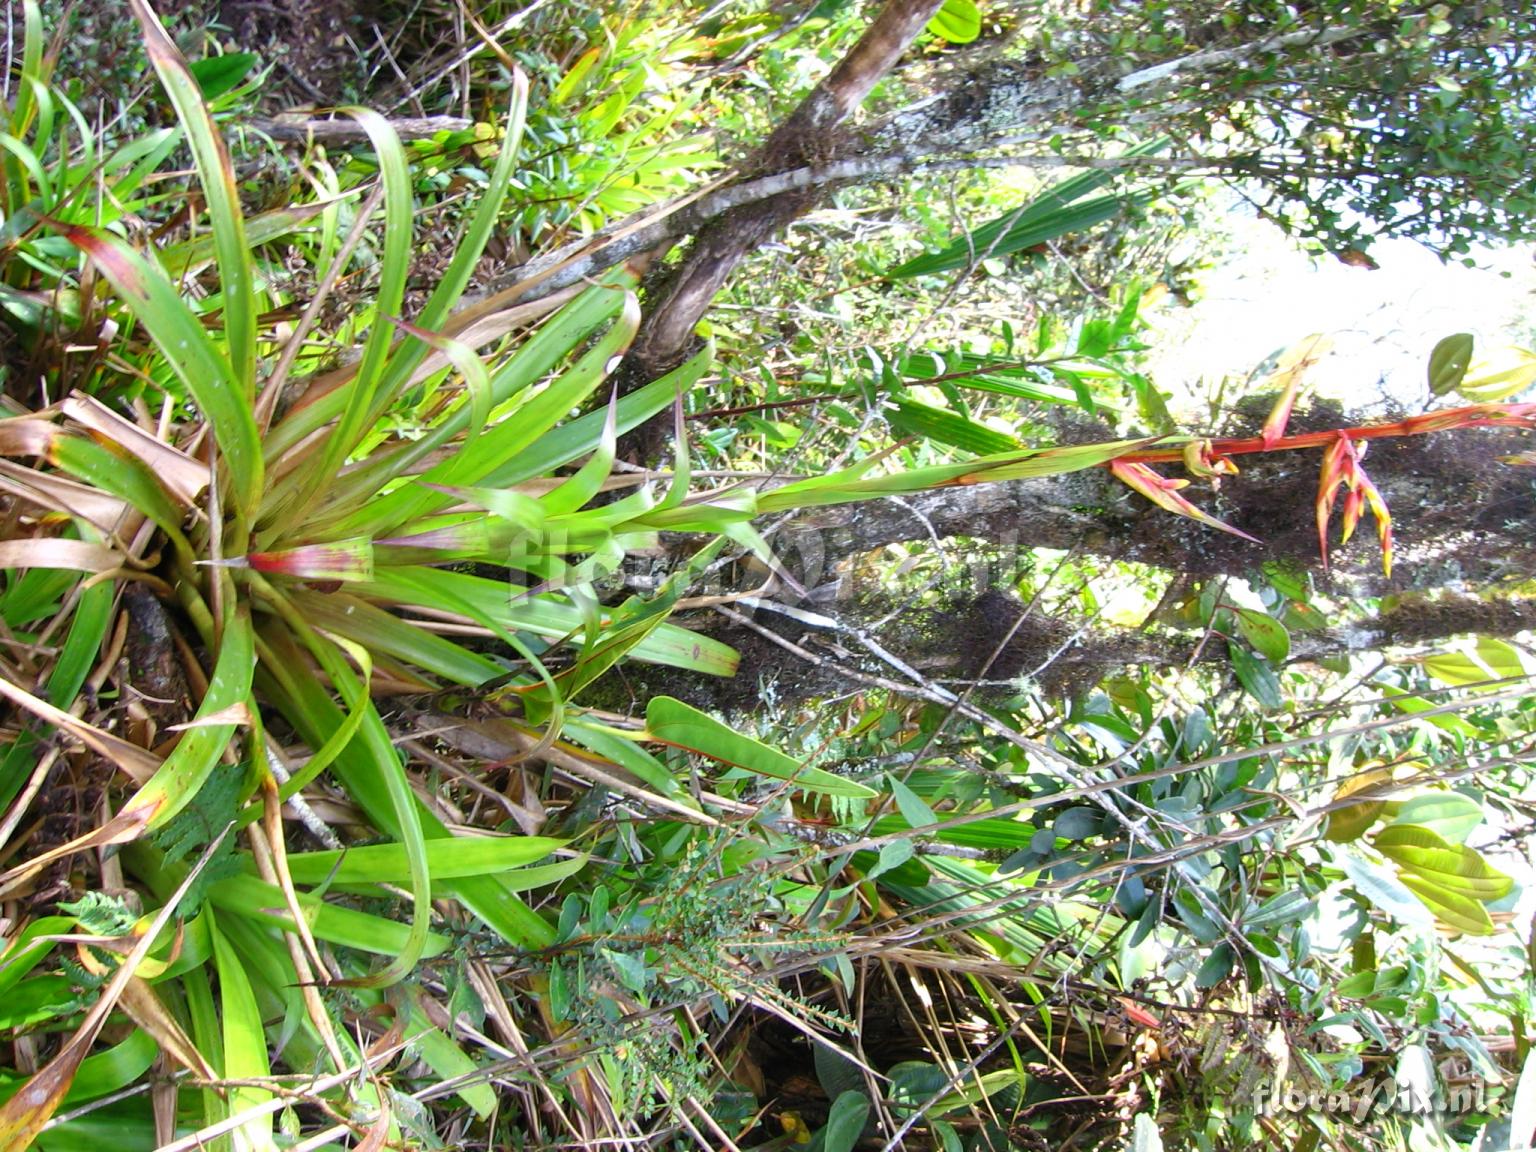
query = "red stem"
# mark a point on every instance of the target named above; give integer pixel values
(1472, 416)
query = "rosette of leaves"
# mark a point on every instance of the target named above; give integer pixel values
(314, 556)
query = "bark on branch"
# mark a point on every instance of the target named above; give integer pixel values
(675, 307)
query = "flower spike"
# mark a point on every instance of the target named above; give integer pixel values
(1341, 469)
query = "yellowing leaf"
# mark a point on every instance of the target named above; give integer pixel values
(1490, 659)
(1290, 372)
(1366, 794)
(1499, 375)
(1421, 850)
(1452, 908)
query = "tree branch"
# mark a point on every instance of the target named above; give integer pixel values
(677, 305)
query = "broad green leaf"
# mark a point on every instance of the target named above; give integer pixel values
(111, 470)
(1281, 908)
(216, 75)
(1448, 363)
(1217, 966)
(845, 1122)
(893, 854)
(913, 808)
(1267, 635)
(1358, 985)
(1078, 823)
(1449, 815)
(1256, 677)
(956, 21)
(673, 722)
(1147, 1136)
(1383, 888)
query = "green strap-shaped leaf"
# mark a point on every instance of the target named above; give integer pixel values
(950, 428)
(673, 722)
(245, 1043)
(208, 376)
(852, 484)
(309, 707)
(237, 276)
(177, 781)
(264, 903)
(1061, 210)
(448, 859)
(541, 615)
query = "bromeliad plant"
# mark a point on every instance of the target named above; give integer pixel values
(319, 561)
(291, 542)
